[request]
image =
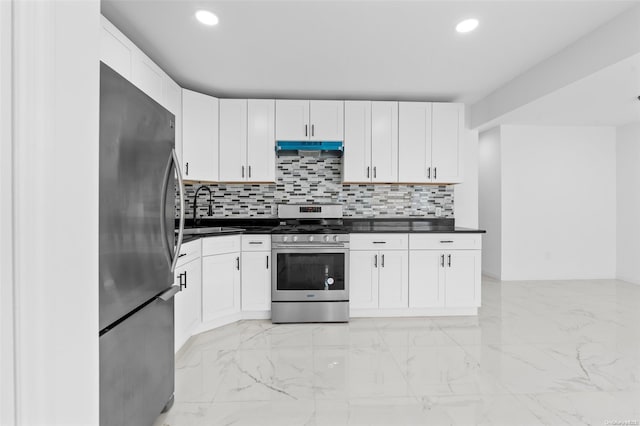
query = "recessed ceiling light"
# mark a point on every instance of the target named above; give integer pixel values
(467, 25)
(206, 17)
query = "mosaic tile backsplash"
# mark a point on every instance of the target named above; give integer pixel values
(319, 180)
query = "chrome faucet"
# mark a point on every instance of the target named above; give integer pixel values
(195, 202)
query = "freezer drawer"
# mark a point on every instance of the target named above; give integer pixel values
(137, 367)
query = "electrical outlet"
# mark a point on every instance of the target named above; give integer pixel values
(438, 211)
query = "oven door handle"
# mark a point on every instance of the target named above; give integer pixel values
(310, 247)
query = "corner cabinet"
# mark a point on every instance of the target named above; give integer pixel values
(303, 120)
(199, 137)
(220, 277)
(370, 142)
(429, 142)
(445, 270)
(247, 140)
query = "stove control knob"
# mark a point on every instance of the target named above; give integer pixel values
(295, 238)
(285, 239)
(335, 238)
(310, 237)
(326, 238)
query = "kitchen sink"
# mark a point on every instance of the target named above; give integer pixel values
(210, 230)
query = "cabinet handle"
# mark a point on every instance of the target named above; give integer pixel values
(243, 171)
(435, 173)
(305, 129)
(446, 241)
(238, 263)
(379, 242)
(442, 260)
(375, 261)
(428, 172)
(313, 130)
(267, 261)
(449, 260)
(249, 171)
(368, 168)
(374, 171)
(183, 284)
(186, 172)
(183, 254)
(255, 242)
(383, 260)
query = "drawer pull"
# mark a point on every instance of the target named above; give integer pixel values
(379, 242)
(255, 242)
(446, 241)
(183, 254)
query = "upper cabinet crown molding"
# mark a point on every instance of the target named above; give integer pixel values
(301, 120)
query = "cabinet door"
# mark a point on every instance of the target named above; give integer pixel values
(261, 153)
(292, 120)
(462, 278)
(363, 279)
(414, 142)
(393, 286)
(173, 98)
(446, 137)
(357, 141)
(256, 281)
(426, 279)
(326, 119)
(115, 49)
(199, 136)
(188, 302)
(233, 140)
(384, 141)
(148, 77)
(220, 285)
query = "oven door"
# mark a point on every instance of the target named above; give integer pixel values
(310, 274)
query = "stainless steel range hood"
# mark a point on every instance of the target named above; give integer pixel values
(310, 149)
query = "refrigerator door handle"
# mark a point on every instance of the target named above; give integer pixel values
(167, 295)
(172, 258)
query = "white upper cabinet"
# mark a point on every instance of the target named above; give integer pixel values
(446, 139)
(199, 137)
(233, 140)
(357, 141)
(414, 142)
(384, 141)
(247, 140)
(261, 153)
(116, 50)
(292, 120)
(148, 77)
(309, 120)
(326, 120)
(429, 142)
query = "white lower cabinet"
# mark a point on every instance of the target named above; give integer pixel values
(444, 278)
(187, 301)
(220, 285)
(256, 273)
(378, 279)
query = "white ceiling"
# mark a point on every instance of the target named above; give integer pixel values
(404, 50)
(606, 98)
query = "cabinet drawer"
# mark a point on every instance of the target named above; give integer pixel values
(378, 241)
(256, 243)
(188, 252)
(220, 245)
(445, 242)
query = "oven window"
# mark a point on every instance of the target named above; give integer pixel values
(314, 271)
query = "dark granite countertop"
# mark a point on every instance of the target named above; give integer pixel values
(351, 225)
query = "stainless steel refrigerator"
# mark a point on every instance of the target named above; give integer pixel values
(137, 253)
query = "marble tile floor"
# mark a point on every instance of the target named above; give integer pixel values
(539, 353)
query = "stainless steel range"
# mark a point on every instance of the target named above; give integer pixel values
(310, 278)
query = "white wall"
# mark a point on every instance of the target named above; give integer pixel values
(628, 207)
(7, 378)
(56, 95)
(490, 205)
(466, 193)
(558, 202)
